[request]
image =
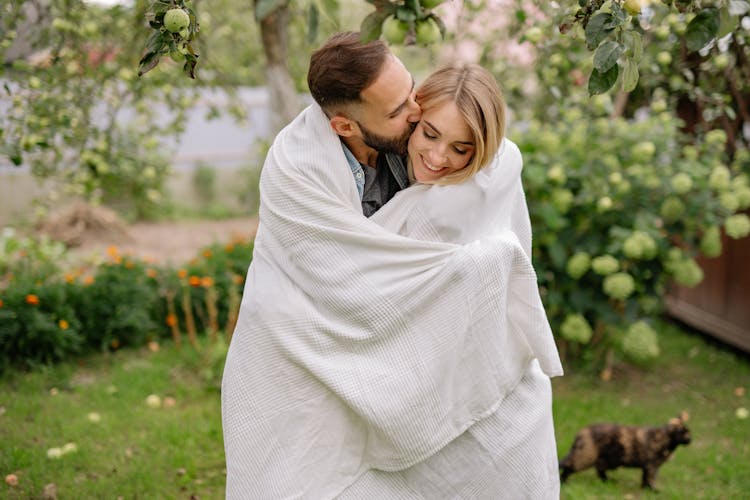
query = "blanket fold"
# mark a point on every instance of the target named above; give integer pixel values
(372, 343)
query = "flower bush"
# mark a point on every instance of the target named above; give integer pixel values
(620, 209)
(48, 313)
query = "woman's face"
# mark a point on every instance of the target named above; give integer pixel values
(441, 144)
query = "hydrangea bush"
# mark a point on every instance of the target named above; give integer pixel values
(620, 209)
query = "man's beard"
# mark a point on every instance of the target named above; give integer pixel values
(396, 145)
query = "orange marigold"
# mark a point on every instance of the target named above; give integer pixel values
(88, 280)
(195, 281)
(70, 277)
(64, 325)
(151, 272)
(181, 273)
(207, 253)
(229, 247)
(32, 299)
(113, 251)
(207, 281)
(171, 320)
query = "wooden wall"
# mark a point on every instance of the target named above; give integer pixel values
(720, 305)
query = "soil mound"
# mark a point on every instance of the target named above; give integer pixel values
(82, 223)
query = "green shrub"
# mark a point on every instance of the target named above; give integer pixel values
(38, 325)
(619, 210)
(118, 307)
(34, 258)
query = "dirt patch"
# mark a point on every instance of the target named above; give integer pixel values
(171, 242)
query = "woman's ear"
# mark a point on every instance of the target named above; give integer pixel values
(343, 126)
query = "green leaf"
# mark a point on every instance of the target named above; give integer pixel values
(263, 8)
(607, 55)
(702, 29)
(634, 42)
(415, 7)
(558, 254)
(629, 75)
(727, 23)
(372, 25)
(521, 15)
(406, 14)
(598, 29)
(189, 67)
(148, 62)
(619, 16)
(602, 82)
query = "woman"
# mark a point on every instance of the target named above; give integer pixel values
(512, 452)
(397, 356)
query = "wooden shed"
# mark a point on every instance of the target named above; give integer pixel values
(720, 305)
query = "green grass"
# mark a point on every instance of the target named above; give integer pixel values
(134, 451)
(693, 374)
(140, 452)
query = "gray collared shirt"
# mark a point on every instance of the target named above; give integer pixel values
(377, 185)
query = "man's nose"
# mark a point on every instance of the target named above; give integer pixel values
(415, 112)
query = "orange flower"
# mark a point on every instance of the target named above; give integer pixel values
(114, 344)
(70, 277)
(207, 281)
(1, 303)
(129, 264)
(181, 273)
(113, 251)
(63, 324)
(88, 280)
(238, 279)
(32, 299)
(229, 247)
(195, 281)
(171, 320)
(207, 253)
(151, 272)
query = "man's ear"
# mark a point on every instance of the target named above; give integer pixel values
(343, 126)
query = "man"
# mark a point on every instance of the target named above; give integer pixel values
(368, 95)
(358, 351)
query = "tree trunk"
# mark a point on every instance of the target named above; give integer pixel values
(284, 99)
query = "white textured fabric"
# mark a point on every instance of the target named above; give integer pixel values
(358, 348)
(510, 455)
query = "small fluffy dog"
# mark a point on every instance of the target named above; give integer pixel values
(609, 446)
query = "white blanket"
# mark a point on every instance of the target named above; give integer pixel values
(372, 343)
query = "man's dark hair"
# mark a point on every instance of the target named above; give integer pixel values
(342, 68)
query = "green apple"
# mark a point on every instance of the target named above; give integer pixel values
(428, 32)
(176, 20)
(394, 31)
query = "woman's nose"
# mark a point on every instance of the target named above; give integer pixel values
(437, 156)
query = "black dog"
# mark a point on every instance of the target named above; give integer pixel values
(608, 446)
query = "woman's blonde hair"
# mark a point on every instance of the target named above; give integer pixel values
(479, 99)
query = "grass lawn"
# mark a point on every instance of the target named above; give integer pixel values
(134, 450)
(138, 451)
(708, 380)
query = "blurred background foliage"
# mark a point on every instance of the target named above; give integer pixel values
(626, 187)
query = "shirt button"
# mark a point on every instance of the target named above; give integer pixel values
(359, 174)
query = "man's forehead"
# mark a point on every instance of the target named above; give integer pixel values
(391, 88)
